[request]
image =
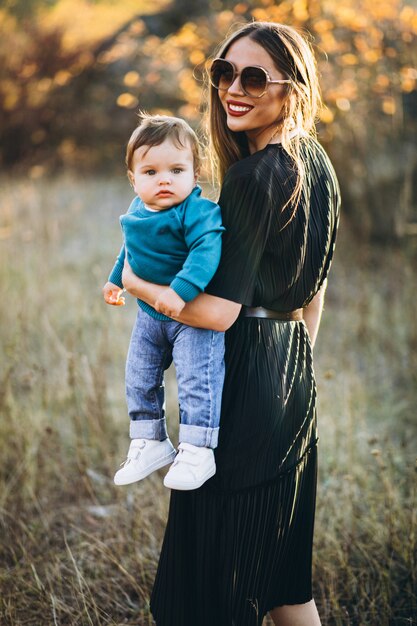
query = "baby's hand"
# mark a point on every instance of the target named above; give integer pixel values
(111, 294)
(169, 303)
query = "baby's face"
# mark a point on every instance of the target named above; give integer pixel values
(163, 175)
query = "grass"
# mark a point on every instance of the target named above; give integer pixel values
(74, 549)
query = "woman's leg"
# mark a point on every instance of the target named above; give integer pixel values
(296, 615)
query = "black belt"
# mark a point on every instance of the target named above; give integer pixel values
(269, 314)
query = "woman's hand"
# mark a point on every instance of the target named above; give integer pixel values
(169, 303)
(211, 312)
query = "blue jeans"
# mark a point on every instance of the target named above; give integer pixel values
(198, 356)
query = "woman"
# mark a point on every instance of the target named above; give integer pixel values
(241, 546)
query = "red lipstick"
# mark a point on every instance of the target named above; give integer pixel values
(236, 108)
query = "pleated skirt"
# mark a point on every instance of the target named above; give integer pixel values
(242, 544)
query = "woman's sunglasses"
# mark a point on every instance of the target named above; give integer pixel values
(254, 80)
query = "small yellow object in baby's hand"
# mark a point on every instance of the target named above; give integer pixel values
(119, 299)
(112, 294)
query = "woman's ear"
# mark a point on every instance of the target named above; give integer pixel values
(288, 111)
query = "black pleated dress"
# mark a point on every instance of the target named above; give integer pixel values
(242, 543)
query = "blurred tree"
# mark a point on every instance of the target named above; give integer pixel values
(70, 91)
(166, 22)
(55, 101)
(24, 9)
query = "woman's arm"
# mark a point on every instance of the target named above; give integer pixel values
(204, 311)
(312, 313)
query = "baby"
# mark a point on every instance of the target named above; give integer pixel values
(172, 236)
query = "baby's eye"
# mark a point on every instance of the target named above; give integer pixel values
(177, 170)
(150, 172)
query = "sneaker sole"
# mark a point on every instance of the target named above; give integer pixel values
(172, 484)
(152, 468)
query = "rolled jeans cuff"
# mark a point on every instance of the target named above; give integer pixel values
(199, 436)
(149, 429)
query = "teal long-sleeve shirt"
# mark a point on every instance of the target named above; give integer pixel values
(179, 247)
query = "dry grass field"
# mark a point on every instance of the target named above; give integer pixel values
(74, 549)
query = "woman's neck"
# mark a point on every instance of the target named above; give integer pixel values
(260, 141)
(257, 140)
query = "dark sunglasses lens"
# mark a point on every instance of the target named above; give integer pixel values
(221, 74)
(254, 81)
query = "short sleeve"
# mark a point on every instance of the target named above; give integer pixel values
(246, 212)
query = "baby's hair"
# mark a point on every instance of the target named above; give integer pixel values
(155, 129)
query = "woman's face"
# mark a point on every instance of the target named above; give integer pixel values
(257, 117)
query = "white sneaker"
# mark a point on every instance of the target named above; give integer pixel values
(192, 467)
(144, 457)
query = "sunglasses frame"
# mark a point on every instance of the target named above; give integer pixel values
(268, 79)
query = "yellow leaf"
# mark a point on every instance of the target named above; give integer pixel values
(408, 85)
(28, 70)
(83, 21)
(383, 81)
(190, 112)
(388, 106)
(196, 57)
(66, 147)
(11, 94)
(372, 56)
(137, 28)
(62, 77)
(127, 100)
(131, 79)
(349, 59)
(187, 36)
(407, 14)
(408, 79)
(329, 43)
(44, 85)
(322, 25)
(240, 8)
(409, 72)
(343, 104)
(300, 10)
(161, 111)
(260, 15)
(326, 116)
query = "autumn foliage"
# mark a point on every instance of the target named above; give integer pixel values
(79, 71)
